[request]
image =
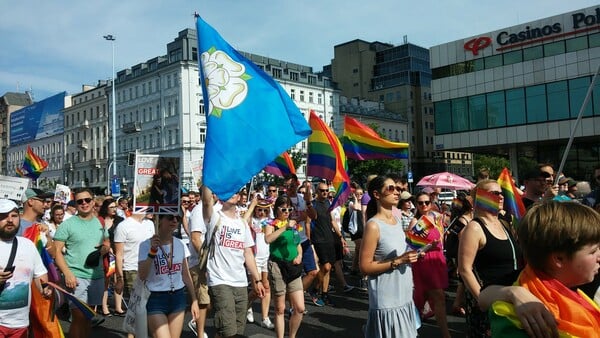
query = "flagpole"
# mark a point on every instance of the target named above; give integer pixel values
(583, 106)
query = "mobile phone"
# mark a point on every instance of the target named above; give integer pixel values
(9, 269)
(425, 248)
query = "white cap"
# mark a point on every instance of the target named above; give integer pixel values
(7, 206)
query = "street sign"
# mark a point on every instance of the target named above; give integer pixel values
(115, 187)
(409, 176)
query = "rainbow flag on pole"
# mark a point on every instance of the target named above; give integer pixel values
(513, 203)
(87, 311)
(281, 166)
(33, 165)
(363, 143)
(326, 159)
(416, 238)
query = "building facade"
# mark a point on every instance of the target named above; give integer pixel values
(399, 77)
(86, 139)
(517, 91)
(9, 103)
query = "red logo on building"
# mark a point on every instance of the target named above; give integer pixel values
(477, 44)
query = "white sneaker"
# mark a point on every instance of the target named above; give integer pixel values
(266, 323)
(192, 326)
(250, 316)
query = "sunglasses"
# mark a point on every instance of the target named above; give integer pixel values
(324, 190)
(84, 200)
(172, 217)
(271, 190)
(423, 202)
(391, 188)
(262, 210)
(286, 209)
(185, 202)
(497, 193)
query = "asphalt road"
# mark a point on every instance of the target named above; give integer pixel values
(344, 320)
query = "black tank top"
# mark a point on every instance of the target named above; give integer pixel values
(498, 261)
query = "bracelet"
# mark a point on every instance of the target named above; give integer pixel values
(153, 251)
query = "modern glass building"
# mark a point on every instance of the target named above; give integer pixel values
(517, 92)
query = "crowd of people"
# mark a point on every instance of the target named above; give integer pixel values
(282, 245)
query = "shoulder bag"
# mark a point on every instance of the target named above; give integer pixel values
(208, 247)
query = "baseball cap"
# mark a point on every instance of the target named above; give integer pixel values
(405, 195)
(37, 193)
(7, 206)
(563, 180)
(535, 173)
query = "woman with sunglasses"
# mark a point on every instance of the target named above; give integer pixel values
(163, 265)
(260, 211)
(285, 265)
(107, 215)
(386, 259)
(487, 253)
(430, 273)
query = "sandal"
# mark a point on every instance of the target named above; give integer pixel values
(458, 311)
(120, 314)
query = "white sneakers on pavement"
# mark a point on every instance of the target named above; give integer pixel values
(250, 316)
(192, 326)
(266, 323)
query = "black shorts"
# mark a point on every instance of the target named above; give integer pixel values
(325, 252)
(339, 249)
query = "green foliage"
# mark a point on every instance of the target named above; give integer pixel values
(494, 164)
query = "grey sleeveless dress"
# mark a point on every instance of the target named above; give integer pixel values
(392, 313)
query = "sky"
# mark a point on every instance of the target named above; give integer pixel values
(54, 46)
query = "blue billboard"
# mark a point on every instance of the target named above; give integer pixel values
(37, 121)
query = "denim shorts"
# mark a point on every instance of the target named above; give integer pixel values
(166, 302)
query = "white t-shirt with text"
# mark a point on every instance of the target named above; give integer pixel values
(160, 277)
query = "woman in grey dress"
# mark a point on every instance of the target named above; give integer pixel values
(385, 259)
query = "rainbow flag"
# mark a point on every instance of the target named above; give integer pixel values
(485, 200)
(416, 237)
(326, 159)
(282, 165)
(33, 165)
(87, 311)
(363, 143)
(513, 203)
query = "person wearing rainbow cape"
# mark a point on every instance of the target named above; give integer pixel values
(561, 244)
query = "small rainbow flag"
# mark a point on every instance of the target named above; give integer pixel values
(513, 203)
(326, 159)
(363, 143)
(33, 165)
(111, 268)
(87, 311)
(282, 165)
(416, 237)
(486, 200)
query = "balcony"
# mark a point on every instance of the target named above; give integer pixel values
(132, 127)
(82, 144)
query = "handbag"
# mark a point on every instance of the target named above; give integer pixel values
(135, 321)
(208, 247)
(289, 270)
(93, 259)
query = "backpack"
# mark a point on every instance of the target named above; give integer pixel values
(346, 220)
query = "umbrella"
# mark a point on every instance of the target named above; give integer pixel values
(446, 180)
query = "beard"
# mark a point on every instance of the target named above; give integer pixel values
(8, 235)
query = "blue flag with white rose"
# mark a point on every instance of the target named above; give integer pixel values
(250, 119)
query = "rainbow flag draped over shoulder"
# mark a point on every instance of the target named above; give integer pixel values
(241, 101)
(363, 143)
(513, 203)
(42, 320)
(326, 159)
(33, 165)
(282, 165)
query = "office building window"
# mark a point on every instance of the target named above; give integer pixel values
(554, 48)
(533, 53)
(293, 94)
(496, 113)
(515, 106)
(513, 57)
(577, 91)
(558, 100)
(443, 116)
(576, 44)
(460, 115)
(594, 40)
(535, 99)
(493, 61)
(477, 115)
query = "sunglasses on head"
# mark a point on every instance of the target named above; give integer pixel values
(84, 200)
(286, 209)
(423, 202)
(391, 188)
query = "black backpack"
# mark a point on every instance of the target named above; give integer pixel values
(346, 220)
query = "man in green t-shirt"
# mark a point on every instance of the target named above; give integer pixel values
(81, 235)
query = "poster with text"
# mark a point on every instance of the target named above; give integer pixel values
(62, 194)
(156, 188)
(197, 174)
(13, 188)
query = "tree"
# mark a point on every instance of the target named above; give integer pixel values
(494, 164)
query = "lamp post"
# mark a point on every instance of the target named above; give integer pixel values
(112, 39)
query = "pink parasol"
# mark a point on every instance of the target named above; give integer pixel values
(446, 180)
